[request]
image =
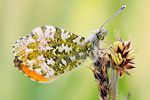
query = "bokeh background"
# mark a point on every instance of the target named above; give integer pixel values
(19, 17)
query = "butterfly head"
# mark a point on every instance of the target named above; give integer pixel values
(101, 34)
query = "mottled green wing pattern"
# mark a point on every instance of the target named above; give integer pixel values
(49, 52)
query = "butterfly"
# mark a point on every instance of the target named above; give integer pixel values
(48, 52)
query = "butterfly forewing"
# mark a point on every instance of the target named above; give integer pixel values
(49, 52)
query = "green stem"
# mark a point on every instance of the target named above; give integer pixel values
(113, 84)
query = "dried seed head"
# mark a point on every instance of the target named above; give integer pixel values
(122, 54)
(101, 76)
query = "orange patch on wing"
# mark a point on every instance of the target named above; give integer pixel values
(32, 74)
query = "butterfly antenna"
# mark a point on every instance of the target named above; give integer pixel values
(113, 16)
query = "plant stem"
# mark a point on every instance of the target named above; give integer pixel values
(113, 84)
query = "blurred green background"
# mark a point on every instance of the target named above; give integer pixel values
(19, 17)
